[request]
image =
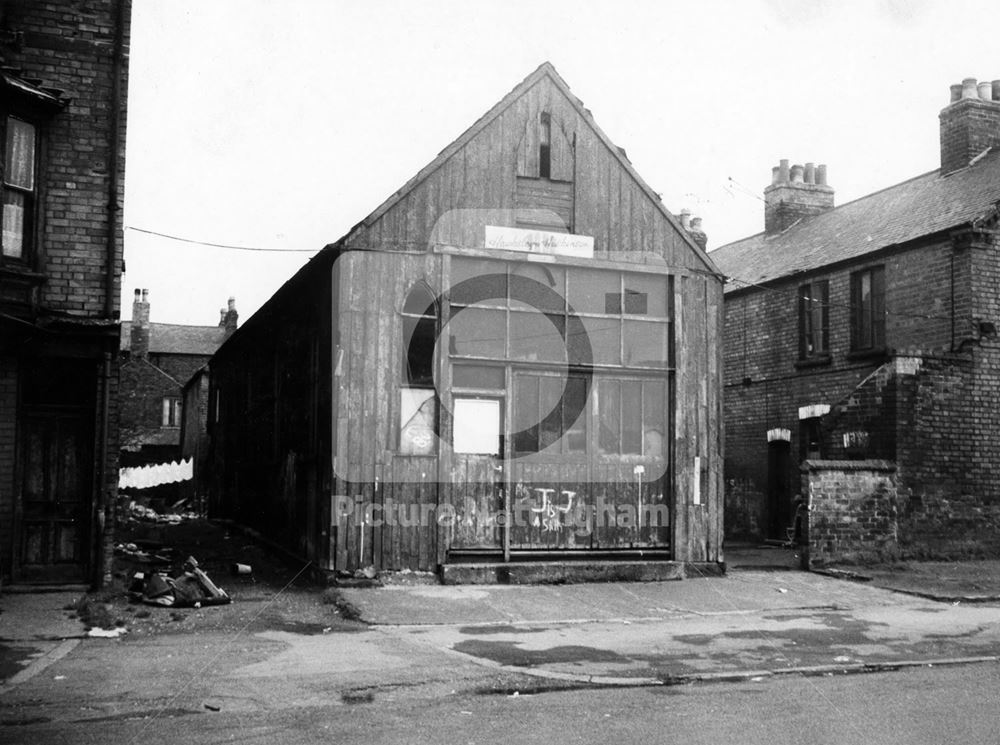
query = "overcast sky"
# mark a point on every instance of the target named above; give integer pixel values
(281, 123)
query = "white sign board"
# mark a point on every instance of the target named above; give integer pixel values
(539, 242)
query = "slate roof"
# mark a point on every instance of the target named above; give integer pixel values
(919, 207)
(173, 338)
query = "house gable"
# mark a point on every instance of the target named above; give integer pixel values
(495, 174)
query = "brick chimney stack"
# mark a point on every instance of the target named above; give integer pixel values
(230, 317)
(970, 123)
(795, 193)
(139, 341)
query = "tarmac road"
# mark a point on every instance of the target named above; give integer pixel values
(441, 664)
(915, 706)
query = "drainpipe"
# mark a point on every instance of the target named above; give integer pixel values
(113, 147)
(100, 506)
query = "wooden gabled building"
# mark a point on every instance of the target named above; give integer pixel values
(513, 358)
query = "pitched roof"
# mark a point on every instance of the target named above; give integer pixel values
(172, 338)
(546, 69)
(912, 209)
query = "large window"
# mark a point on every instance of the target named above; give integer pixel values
(551, 314)
(868, 310)
(587, 353)
(19, 188)
(814, 320)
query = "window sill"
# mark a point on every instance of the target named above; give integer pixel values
(818, 361)
(879, 353)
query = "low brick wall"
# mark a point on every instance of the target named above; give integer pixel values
(852, 511)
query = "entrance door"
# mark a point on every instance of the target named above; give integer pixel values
(57, 457)
(478, 473)
(779, 504)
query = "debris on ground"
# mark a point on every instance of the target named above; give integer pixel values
(107, 633)
(190, 588)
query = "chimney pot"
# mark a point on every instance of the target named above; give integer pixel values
(137, 293)
(145, 295)
(969, 89)
(783, 170)
(996, 90)
(810, 175)
(232, 303)
(821, 174)
(986, 90)
(686, 219)
(956, 92)
(775, 174)
(797, 174)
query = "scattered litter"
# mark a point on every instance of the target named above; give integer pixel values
(758, 679)
(367, 573)
(327, 629)
(191, 587)
(515, 694)
(238, 569)
(59, 677)
(107, 633)
(842, 658)
(782, 589)
(468, 713)
(627, 623)
(213, 707)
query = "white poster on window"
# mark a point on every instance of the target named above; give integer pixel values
(477, 426)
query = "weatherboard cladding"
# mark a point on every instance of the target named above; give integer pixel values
(922, 206)
(474, 173)
(276, 477)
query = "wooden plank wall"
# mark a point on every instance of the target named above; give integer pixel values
(373, 286)
(480, 178)
(698, 420)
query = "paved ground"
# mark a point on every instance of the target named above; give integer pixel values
(746, 623)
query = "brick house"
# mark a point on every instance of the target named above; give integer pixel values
(861, 346)
(158, 359)
(63, 84)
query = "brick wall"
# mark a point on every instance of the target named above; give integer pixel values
(8, 409)
(143, 389)
(765, 383)
(67, 45)
(852, 511)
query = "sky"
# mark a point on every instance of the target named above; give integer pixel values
(280, 124)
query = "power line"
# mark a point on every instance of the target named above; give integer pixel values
(219, 245)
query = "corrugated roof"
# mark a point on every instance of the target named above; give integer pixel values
(921, 206)
(172, 338)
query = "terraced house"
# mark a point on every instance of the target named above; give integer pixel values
(862, 362)
(63, 84)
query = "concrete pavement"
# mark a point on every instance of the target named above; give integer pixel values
(746, 624)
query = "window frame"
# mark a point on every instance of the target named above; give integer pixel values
(868, 315)
(31, 196)
(813, 309)
(171, 413)
(413, 322)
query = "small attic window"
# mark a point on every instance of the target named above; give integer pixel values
(545, 146)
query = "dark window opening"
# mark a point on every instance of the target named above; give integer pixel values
(544, 408)
(810, 439)
(868, 309)
(545, 147)
(419, 334)
(417, 400)
(814, 320)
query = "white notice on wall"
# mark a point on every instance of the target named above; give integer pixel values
(477, 426)
(539, 242)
